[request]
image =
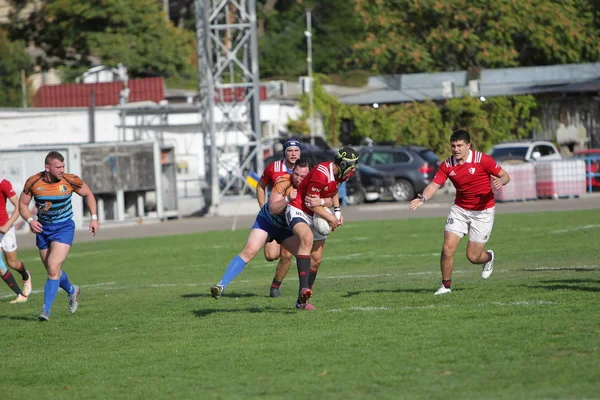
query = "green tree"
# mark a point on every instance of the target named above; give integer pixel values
(282, 23)
(135, 33)
(434, 35)
(13, 59)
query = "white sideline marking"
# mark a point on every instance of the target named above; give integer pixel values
(579, 228)
(91, 286)
(368, 308)
(430, 306)
(522, 303)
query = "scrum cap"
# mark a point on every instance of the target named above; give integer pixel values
(346, 158)
(291, 142)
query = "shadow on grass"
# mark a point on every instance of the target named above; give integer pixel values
(578, 269)
(15, 318)
(229, 294)
(352, 294)
(568, 284)
(251, 310)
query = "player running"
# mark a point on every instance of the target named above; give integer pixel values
(321, 183)
(269, 225)
(8, 244)
(472, 174)
(54, 228)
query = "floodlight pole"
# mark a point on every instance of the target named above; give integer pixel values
(308, 34)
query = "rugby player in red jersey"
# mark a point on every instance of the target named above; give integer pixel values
(472, 173)
(321, 182)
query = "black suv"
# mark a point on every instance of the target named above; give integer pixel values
(413, 167)
(367, 184)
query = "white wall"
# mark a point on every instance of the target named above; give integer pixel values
(19, 128)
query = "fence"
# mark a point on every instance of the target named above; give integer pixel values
(549, 179)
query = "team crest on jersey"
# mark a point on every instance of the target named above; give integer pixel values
(62, 188)
(472, 170)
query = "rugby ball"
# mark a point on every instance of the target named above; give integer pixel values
(321, 225)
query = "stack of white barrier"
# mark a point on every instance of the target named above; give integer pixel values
(564, 178)
(522, 183)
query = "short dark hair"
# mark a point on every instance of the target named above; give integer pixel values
(303, 162)
(460, 134)
(54, 155)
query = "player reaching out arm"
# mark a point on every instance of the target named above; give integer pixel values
(472, 214)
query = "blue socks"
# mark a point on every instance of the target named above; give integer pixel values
(51, 289)
(65, 284)
(50, 293)
(235, 267)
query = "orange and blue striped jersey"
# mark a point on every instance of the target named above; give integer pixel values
(53, 199)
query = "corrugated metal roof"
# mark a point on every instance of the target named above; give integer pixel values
(492, 82)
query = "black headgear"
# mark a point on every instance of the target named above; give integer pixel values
(346, 159)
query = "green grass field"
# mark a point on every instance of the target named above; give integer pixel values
(148, 328)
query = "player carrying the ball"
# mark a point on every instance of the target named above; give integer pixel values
(321, 183)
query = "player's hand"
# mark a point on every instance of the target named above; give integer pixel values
(94, 227)
(416, 203)
(497, 182)
(4, 228)
(293, 194)
(35, 226)
(334, 223)
(312, 200)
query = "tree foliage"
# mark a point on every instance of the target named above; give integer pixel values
(76, 33)
(435, 35)
(13, 59)
(426, 124)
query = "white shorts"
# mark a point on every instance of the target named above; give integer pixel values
(8, 240)
(477, 224)
(292, 213)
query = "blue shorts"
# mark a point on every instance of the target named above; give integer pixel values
(62, 232)
(276, 233)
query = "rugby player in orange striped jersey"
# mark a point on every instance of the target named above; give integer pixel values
(54, 228)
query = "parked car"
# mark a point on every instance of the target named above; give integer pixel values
(592, 165)
(525, 151)
(367, 184)
(413, 167)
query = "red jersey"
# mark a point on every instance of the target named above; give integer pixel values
(274, 171)
(320, 181)
(471, 180)
(6, 192)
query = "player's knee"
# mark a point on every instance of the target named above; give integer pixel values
(315, 264)
(286, 258)
(14, 264)
(448, 251)
(473, 256)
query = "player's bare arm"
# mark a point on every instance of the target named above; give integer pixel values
(24, 201)
(90, 202)
(14, 217)
(427, 194)
(278, 201)
(261, 193)
(501, 180)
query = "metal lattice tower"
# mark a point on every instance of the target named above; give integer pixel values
(229, 88)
